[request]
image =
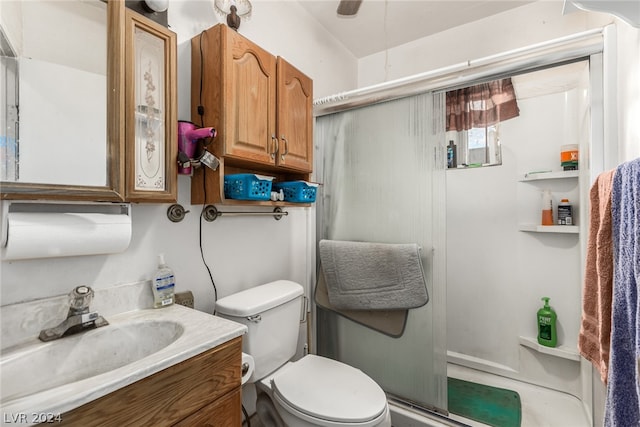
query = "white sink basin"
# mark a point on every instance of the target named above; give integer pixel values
(58, 376)
(43, 366)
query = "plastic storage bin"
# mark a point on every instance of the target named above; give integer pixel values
(297, 191)
(247, 186)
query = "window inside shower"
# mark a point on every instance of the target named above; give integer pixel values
(478, 146)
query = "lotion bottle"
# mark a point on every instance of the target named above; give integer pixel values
(163, 285)
(547, 325)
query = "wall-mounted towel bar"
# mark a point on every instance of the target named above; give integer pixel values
(211, 213)
(176, 213)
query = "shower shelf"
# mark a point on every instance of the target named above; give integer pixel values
(553, 181)
(562, 351)
(567, 229)
(533, 176)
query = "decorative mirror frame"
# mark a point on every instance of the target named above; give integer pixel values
(115, 187)
(152, 85)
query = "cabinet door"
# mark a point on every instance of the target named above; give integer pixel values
(249, 110)
(151, 111)
(168, 396)
(295, 118)
(224, 412)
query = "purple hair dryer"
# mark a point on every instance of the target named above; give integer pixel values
(188, 136)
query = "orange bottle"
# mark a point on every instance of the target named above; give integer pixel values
(547, 208)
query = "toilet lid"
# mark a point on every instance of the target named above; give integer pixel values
(330, 390)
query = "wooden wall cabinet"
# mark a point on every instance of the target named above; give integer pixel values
(204, 391)
(260, 105)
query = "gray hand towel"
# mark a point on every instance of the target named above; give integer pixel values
(373, 276)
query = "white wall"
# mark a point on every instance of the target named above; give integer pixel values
(628, 92)
(241, 251)
(522, 26)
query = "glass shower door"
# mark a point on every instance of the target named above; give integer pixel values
(382, 168)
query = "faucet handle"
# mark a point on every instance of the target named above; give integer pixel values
(80, 298)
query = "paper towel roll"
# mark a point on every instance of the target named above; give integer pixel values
(250, 364)
(53, 234)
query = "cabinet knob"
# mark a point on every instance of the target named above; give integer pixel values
(286, 147)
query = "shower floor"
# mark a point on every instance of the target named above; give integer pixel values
(541, 407)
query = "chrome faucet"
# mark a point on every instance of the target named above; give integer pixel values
(79, 318)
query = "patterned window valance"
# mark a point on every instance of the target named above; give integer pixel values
(481, 105)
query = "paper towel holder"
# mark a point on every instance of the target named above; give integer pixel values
(39, 207)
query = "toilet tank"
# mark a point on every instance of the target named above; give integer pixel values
(271, 313)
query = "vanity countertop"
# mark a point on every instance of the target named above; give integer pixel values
(200, 332)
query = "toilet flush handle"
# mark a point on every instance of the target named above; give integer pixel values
(255, 318)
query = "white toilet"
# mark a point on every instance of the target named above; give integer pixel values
(313, 391)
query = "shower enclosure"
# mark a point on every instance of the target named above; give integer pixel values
(383, 176)
(381, 157)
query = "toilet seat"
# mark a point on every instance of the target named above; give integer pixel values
(318, 388)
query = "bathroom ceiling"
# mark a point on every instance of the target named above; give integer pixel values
(382, 24)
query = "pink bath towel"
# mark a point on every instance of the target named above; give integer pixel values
(595, 330)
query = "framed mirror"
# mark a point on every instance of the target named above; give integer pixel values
(63, 121)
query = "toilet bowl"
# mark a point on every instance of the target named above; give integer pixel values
(317, 391)
(312, 391)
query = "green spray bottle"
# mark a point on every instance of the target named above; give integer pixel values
(547, 325)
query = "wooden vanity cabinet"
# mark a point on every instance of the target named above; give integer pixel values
(204, 390)
(261, 106)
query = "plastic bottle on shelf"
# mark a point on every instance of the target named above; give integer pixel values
(569, 157)
(565, 212)
(547, 325)
(452, 157)
(547, 208)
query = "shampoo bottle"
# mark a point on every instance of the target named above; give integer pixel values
(547, 208)
(163, 285)
(452, 157)
(547, 325)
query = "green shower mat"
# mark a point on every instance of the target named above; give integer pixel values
(489, 405)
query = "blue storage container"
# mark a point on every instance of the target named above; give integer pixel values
(247, 186)
(297, 191)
